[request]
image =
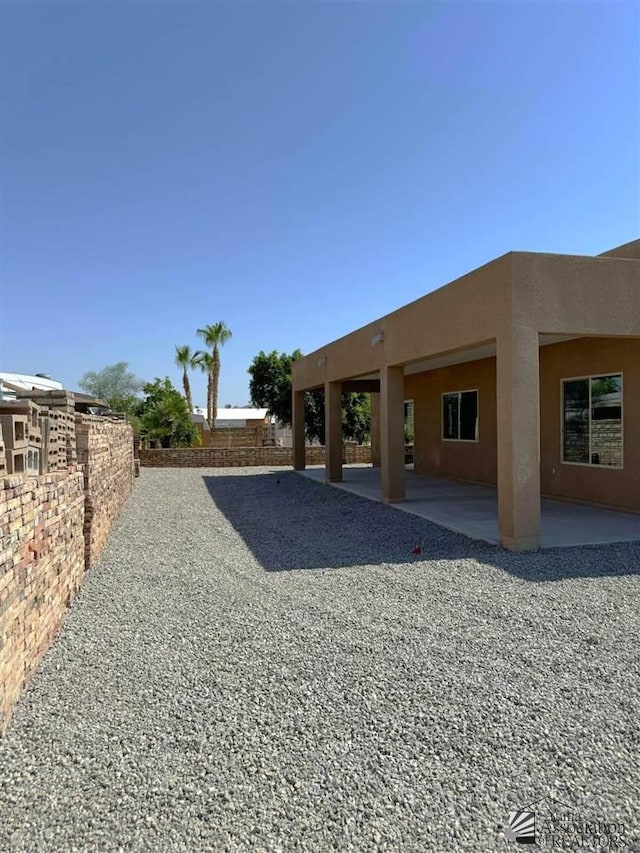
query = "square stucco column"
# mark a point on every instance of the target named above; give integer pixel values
(392, 434)
(299, 440)
(333, 431)
(518, 396)
(375, 429)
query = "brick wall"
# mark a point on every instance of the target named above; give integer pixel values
(606, 442)
(205, 457)
(48, 433)
(235, 437)
(105, 449)
(41, 568)
(53, 527)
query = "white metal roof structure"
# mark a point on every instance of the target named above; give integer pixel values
(12, 382)
(234, 417)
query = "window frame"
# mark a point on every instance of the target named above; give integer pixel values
(459, 394)
(589, 377)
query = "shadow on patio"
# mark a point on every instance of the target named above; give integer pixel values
(290, 522)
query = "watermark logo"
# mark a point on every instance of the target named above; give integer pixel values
(521, 827)
(550, 823)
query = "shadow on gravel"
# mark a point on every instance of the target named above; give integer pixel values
(289, 523)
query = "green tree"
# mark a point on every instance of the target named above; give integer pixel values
(184, 358)
(270, 383)
(214, 336)
(356, 416)
(114, 383)
(133, 409)
(165, 420)
(603, 386)
(270, 386)
(314, 423)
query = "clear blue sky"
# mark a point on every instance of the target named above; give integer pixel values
(294, 169)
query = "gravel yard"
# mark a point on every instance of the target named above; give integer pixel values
(259, 663)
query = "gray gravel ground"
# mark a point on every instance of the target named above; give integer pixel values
(259, 663)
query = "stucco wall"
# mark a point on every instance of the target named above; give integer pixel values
(464, 460)
(470, 310)
(478, 461)
(545, 293)
(597, 484)
(560, 294)
(509, 301)
(628, 250)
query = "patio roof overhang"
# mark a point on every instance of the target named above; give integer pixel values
(508, 308)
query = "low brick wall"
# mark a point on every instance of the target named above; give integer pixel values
(42, 563)
(227, 438)
(606, 442)
(206, 457)
(105, 449)
(53, 527)
(352, 454)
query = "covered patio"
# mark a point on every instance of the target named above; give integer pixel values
(490, 362)
(472, 509)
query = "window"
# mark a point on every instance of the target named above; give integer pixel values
(460, 416)
(592, 420)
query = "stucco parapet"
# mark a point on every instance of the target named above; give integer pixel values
(458, 314)
(576, 294)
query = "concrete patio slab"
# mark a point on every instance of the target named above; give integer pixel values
(472, 509)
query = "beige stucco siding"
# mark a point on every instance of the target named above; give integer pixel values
(464, 460)
(477, 461)
(469, 310)
(546, 293)
(576, 295)
(502, 306)
(590, 356)
(627, 250)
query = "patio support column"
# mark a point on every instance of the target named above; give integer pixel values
(299, 438)
(333, 431)
(518, 396)
(392, 434)
(375, 429)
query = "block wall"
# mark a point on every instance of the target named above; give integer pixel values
(48, 442)
(41, 568)
(204, 457)
(227, 438)
(105, 450)
(53, 527)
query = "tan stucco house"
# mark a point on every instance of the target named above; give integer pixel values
(524, 373)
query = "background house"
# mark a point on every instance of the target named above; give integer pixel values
(235, 428)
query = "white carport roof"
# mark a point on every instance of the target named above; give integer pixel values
(235, 414)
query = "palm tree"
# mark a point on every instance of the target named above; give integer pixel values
(204, 360)
(214, 336)
(155, 427)
(185, 359)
